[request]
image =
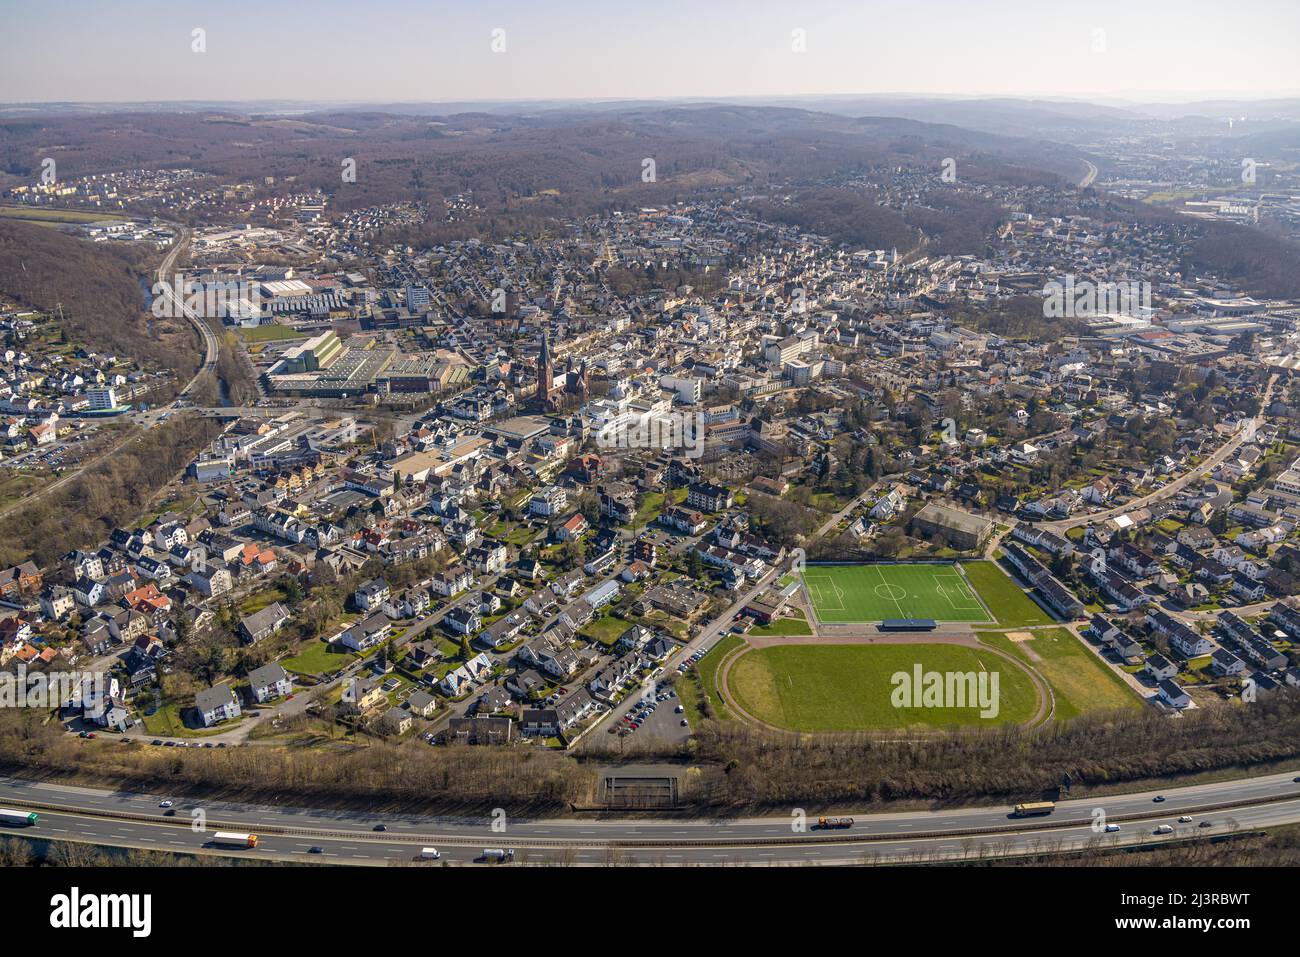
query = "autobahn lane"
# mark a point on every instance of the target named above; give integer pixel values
(126, 819)
(388, 849)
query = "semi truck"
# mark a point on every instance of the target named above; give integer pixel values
(21, 818)
(234, 839)
(498, 854)
(1035, 807)
(834, 822)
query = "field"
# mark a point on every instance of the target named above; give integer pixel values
(1010, 604)
(861, 593)
(270, 332)
(48, 216)
(850, 687)
(1080, 682)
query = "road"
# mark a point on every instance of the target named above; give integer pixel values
(710, 634)
(128, 819)
(211, 344)
(1089, 177)
(1175, 485)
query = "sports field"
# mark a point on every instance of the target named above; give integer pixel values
(862, 593)
(851, 687)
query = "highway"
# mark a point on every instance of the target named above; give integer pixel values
(1089, 177)
(124, 819)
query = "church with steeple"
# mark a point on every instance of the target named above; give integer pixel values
(576, 379)
(546, 375)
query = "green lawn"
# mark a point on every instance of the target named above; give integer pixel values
(317, 658)
(272, 332)
(167, 722)
(860, 593)
(604, 630)
(853, 687)
(1013, 608)
(654, 503)
(53, 215)
(260, 599)
(1080, 681)
(702, 681)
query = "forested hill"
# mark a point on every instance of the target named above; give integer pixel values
(98, 288)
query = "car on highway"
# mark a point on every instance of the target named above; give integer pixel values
(1205, 824)
(164, 803)
(1185, 819)
(1159, 799)
(1112, 828)
(315, 850)
(380, 827)
(1163, 829)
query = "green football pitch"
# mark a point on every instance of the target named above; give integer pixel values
(863, 593)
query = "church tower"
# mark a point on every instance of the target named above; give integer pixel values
(545, 374)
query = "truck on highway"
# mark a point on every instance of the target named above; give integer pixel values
(827, 823)
(1034, 807)
(234, 839)
(429, 853)
(21, 818)
(498, 854)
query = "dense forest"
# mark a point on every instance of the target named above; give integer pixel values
(97, 287)
(1262, 263)
(113, 491)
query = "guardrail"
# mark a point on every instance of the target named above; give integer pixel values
(811, 837)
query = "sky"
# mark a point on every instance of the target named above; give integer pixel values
(404, 51)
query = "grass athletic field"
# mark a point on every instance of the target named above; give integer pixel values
(849, 687)
(1081, 682)
(862, 593)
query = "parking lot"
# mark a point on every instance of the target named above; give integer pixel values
(656, 718)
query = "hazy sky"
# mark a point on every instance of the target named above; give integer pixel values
(399, 50)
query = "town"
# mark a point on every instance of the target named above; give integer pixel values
(609, 438)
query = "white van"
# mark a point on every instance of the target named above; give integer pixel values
(430, 853)
(1164, 829)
